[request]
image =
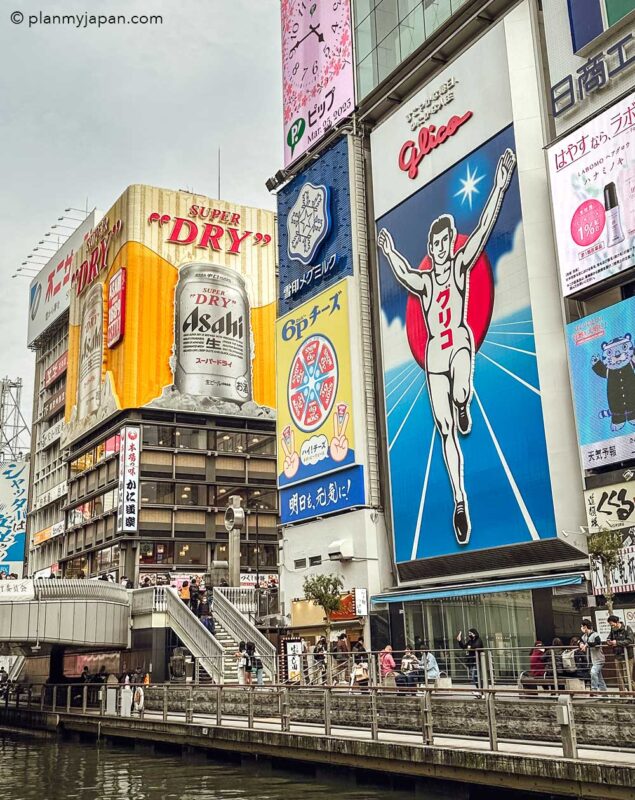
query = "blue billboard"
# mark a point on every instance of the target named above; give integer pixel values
(14, 485)
(466, 443)
(325, 495)
(602, 361)
(315, 240)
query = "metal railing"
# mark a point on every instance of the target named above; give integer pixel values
(432, 712)
(203, 646)
(74, 589)
(240, 629)
(242, 597)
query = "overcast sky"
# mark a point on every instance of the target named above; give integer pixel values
(87, 111)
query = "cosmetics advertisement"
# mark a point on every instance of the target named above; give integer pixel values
(592, 175)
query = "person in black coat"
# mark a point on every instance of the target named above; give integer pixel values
(473, 647)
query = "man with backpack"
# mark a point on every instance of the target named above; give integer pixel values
(592, 645)
(621, 640)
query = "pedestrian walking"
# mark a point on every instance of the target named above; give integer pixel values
(592, 646)
(342, 656)
(387, 667)
(241, 661)
(254, 664)
(473, 647)
(184, 593)
(621, 640)
(194, 596)
(319, 658)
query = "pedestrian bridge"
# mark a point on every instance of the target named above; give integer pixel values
(79, 613)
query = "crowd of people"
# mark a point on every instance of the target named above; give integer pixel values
(584, 657)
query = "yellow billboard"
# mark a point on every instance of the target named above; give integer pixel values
(172, 306)
(315, 395)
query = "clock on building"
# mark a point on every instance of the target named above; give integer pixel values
(317, 68)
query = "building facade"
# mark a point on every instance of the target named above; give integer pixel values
(49, 300)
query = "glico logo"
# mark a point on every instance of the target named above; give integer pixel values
(430, 137)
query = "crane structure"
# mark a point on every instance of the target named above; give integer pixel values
(15, 435)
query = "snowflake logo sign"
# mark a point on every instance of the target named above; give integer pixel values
(308, 222)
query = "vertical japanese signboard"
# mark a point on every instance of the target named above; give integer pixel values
(14, 484)
(592, 176)
(316, 428)
(602, 362)
(315, 236)
(128, 507)
(318, 85)
(466, 441)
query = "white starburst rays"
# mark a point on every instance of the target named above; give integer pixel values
(469, 186)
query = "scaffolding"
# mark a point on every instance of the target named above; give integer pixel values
(15, 435)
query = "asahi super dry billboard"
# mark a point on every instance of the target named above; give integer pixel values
(198, 305)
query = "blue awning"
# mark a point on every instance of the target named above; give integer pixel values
(484, 588)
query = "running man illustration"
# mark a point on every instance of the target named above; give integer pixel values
(443, 294)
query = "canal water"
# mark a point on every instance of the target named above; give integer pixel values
(59, 769)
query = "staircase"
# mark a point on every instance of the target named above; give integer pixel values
(230, 672)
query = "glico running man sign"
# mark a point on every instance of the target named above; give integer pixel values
(467, 452)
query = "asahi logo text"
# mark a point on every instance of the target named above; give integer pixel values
(227, 325)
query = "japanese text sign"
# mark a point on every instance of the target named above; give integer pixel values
(318, 86)
(610, 507)
(129, 453)
(602, 362)
(322, 496)
(14, 484)
(315, 408)
(592, 173)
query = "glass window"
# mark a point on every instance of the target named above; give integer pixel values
(315, 561)
(261, 444)
(157, 492)
(190, 494)
(230, 468)
(299, 563)
(388, 55)
(107, 559)
(407, 6)
(261, 470)
(367, 74)
(362, 8)
(263, 500)
(411, 32)
(158, 436)
(365, 38)
(221, 552)
(190, 465)
(436, 13)
(222, 494)
(386, 18)
(191, 438)
(111, 445)
(191, 553)
(231, 442)
(156, 552)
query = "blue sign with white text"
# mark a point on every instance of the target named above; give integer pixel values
(315, 242)
(326, 495)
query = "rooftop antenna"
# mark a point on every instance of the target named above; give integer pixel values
(14, 431)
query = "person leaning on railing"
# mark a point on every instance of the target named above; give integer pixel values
(621, 640)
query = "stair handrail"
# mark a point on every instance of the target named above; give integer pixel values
(199, 641)
(241, 629)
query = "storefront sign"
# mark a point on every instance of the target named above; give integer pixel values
(592, 174)
(128, 508)
(54, 403)
(361, 602)
(593, 76)
(14, 482)
(51, 495)
(315, 238)
(248, 579)
(15, 591)
(456, 319)
(610, 507)
(116, 307)
(622, 577)
(49, 293)
(318, 85)
(51, 434)
(293, 659)
(56, 369)
(322, 496)
(39, 537)
(602, 362)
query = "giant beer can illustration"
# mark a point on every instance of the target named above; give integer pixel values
(91, 345)
(212, 347)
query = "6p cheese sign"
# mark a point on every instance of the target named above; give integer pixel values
(315, 426)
